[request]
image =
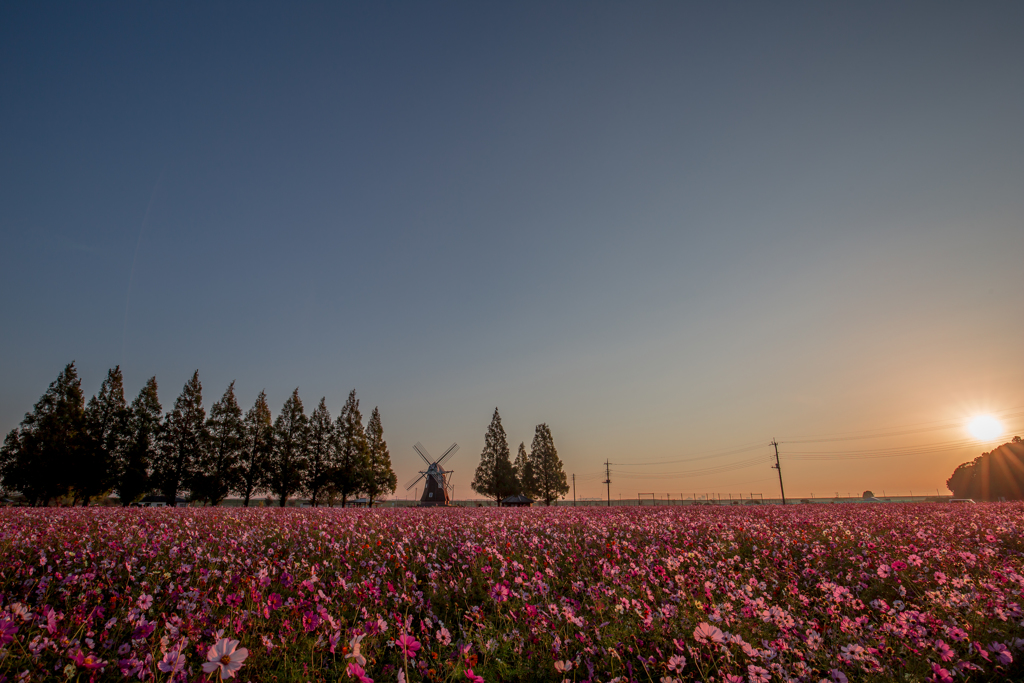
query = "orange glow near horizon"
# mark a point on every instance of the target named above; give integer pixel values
(985, 428)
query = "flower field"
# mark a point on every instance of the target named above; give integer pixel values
(733, 594)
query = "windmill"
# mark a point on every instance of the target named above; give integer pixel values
(437, 489)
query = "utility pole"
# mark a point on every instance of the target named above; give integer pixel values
(778, 467)
(574, 490)
(608, 481)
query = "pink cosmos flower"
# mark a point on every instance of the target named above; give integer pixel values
(940, 675)
(883, 571)
(274, 601)
(731, 678)
(676, 663)
(473, 677)
(757, 674)
(89, 661)
(563, 666)
(1001, 653)
(145, 601)
(705, 632)
(355, 653)
(172, 663)
(946, 653)
(7, 631)
(225, 658)
(838, 676)
(358, 673)
(409, 645)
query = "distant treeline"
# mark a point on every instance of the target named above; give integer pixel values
(998, 475)
(67, 449)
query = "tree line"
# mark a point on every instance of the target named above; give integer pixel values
(992, 476)
(65, 448)
(537, 474)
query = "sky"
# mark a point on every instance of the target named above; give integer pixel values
(673, 232)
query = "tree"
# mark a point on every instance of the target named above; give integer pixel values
(380, 478)
(998, 475)
(320, 443)
(106, 425)
(184, 442)
(494, 476)
(289, 460)
(551, 480)
(257, 448)
(226, 438)
(144, 428)
(38, 457)
(351, 452)
(525, 476)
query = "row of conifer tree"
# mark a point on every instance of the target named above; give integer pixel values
(537, 474)
(67, 449)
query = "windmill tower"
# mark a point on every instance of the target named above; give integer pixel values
(437, 490)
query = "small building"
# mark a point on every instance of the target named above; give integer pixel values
(160, 502)
(518, 501)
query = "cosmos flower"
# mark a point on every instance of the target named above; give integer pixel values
(225, 658)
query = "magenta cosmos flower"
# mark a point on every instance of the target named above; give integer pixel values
(408, 645)
(226, 658)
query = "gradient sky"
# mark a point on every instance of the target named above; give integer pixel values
(670, 231)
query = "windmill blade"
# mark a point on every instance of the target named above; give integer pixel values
(448, 453)
(422, 452)
(415, 481)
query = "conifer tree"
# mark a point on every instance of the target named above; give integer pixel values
(380, 479)
(219, 468)
(257, 448)
(289, 461)
(547, 467)
(351, 452)
(106, 424)
(525, 476)
(495, 477)
(184, 442)
(144, 429)
(39, 456)
(320, 444)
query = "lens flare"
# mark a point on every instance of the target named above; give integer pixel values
(985, 428)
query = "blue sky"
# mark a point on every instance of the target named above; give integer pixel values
(663, 229)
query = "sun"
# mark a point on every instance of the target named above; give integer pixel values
(985, 428)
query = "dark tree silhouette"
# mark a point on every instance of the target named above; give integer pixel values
(380, 478)
(996, 475)
(289, 460)
(319, 446)
(184, 442)
(525, 476)
(106, 424)
(495, 477)
(38, 457)
(144, 429)
(551, 480)
(351, 452)
(226, 437)
(257, 449)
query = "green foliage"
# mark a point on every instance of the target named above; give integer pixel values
(320, 473)
(351, 451)
(257, 449)
(380, 477)
(551, 480)
(183, 446)
(290, 458)
(495, 476)
(144, 428)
